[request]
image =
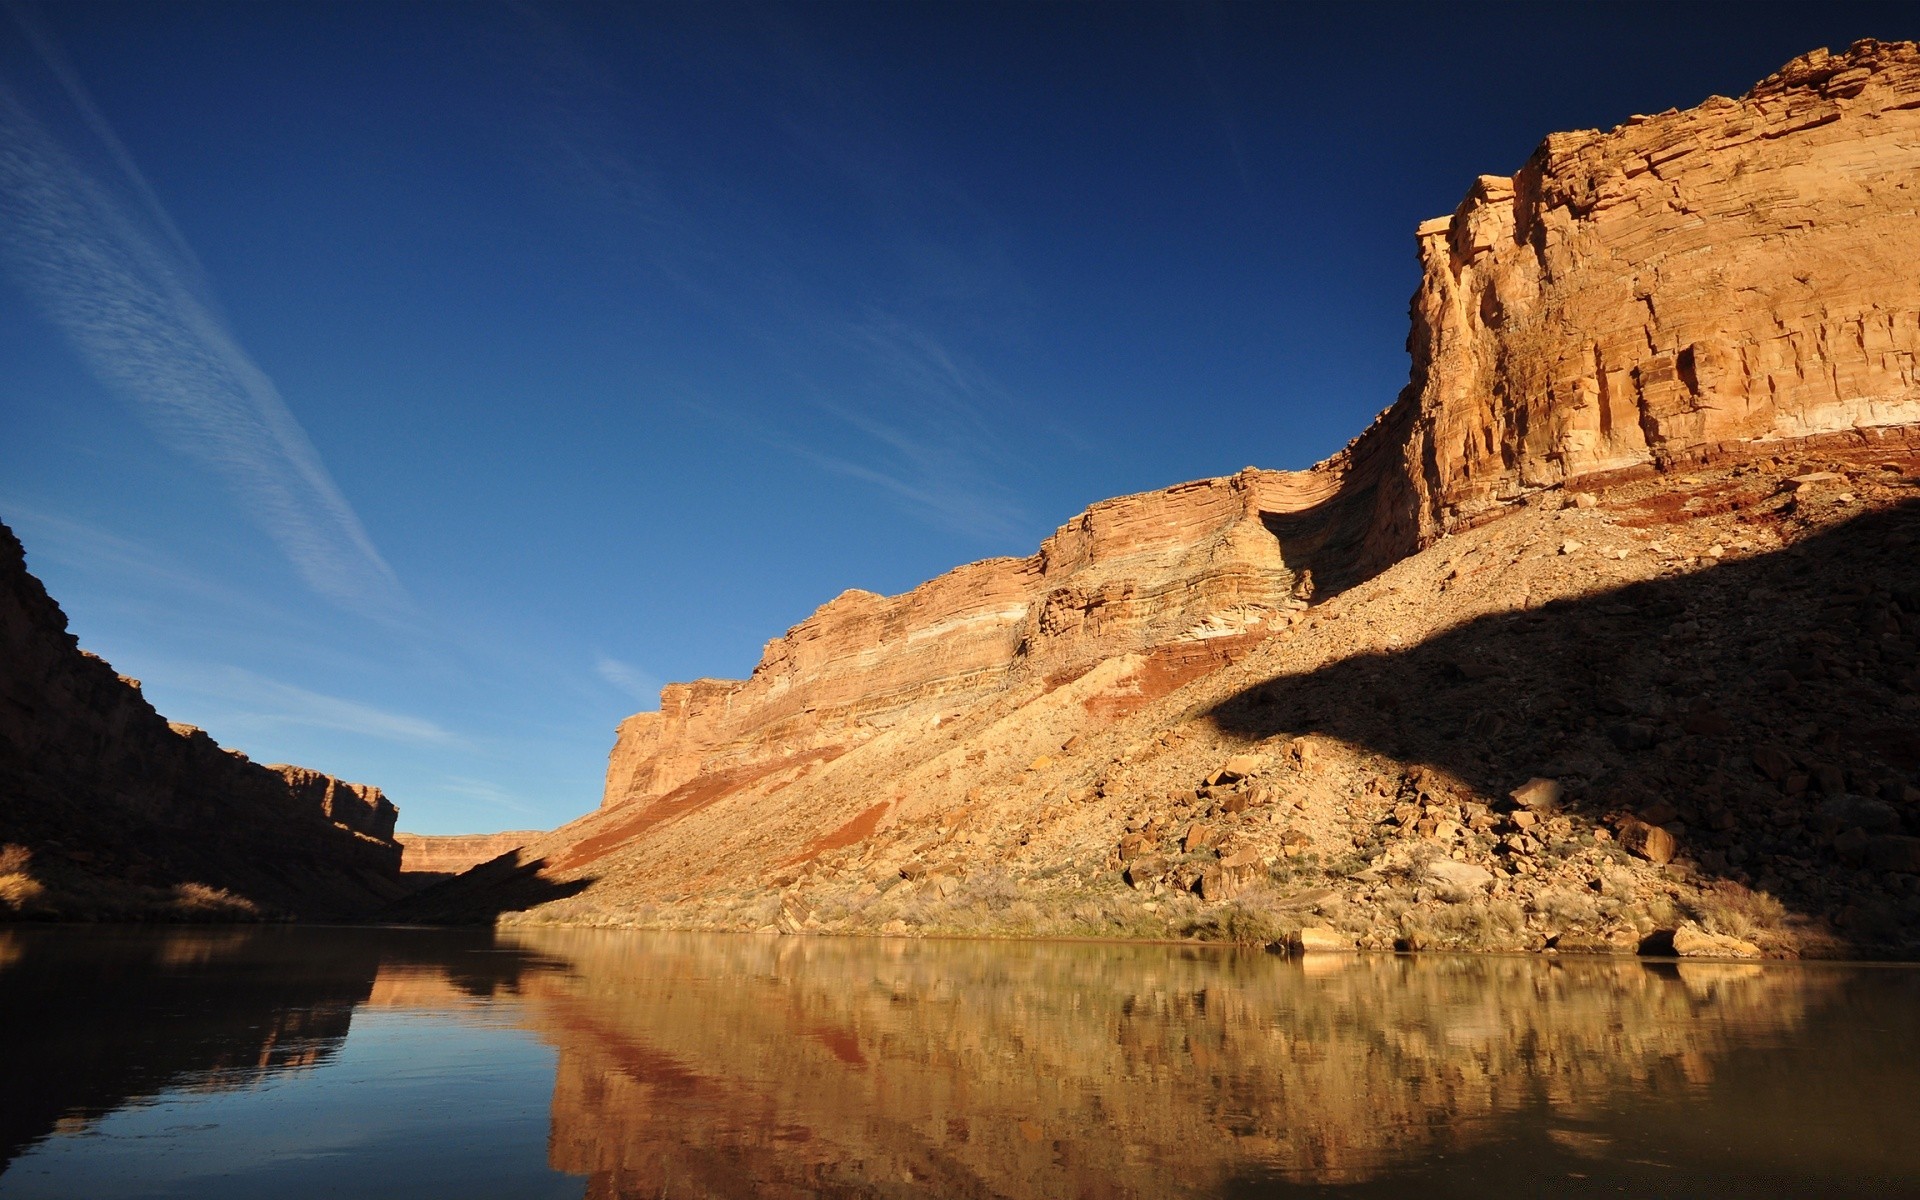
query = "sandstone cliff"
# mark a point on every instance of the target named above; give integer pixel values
(110, 810)
(1731, 291)
(428, 858)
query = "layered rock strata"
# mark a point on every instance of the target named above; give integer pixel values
(112, 810)
(1683, 286)
(1690, 340)
(426, 857)
(1687, 286)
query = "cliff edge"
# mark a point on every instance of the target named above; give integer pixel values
(111, 811)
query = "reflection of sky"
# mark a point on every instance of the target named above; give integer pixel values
(412, 1105)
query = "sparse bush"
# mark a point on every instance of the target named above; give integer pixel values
(1562, 906)
(1737, 912)
(19, 890)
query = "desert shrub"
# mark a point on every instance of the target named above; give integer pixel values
(19, 890)
(1491, 925)
(1247, 921)
(1736, 911)
(1564, 906)
(201, 900)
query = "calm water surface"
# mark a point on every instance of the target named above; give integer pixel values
(337, 1062)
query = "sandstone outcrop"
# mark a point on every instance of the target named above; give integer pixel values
(1686, 285)
(1680, 350)
(426, 858)
(110, 810)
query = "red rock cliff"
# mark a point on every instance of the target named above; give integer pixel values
(1690, 285)
(1684, 286)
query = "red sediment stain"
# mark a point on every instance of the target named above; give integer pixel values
(689, 797)
(1675, 508)
(1167, 670)
(853, 831)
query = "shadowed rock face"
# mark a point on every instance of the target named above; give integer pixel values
(112, 811)
(1729, 291)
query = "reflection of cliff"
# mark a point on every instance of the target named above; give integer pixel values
(94, 1018)
(749, 1066)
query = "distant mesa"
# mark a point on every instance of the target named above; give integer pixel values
(429, 858)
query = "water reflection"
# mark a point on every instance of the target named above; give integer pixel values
(746, 1066)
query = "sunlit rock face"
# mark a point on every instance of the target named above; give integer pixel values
(1687, 285)
(1665, 349)
(441, 855)
(112, 810)
(1198, 564)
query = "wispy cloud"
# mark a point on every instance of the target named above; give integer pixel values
(268, 702)
(490, 794)
(628, 678)
(86, 547)
(116, 276)
(880, 390)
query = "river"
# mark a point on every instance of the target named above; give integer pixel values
(298, 1062)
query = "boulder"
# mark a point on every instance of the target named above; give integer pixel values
(1318, 939)
(1538, 795)
(1229, 877)
(1240, 766)
(1691, 941)
(1650, 842)
(1894, 852)
(1660, 812)
(1773, 762)
(1458, 876)
(1856, 812)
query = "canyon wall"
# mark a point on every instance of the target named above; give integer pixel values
(119, 812)
(1686, 287)
(1200, 563)
(425, 856)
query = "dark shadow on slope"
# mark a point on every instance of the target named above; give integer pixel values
(96, 1017)
(480, 894)
(1764, 711)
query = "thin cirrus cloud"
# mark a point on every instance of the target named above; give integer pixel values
(110, 269)
(262, 702)
(914, 417)
(628, 678)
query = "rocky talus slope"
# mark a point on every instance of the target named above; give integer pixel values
(109, 811)
(1602, 636)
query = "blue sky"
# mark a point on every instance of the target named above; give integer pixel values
(407, 390)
